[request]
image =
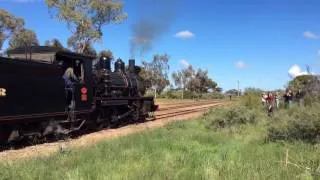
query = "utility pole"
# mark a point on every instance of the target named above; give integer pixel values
(182, 89)
(238, 89)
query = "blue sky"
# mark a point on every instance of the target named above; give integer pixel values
(257, 43)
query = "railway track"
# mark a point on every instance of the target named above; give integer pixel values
(184, 105)
(184, 110)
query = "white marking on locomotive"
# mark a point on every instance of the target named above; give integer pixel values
(3, 92)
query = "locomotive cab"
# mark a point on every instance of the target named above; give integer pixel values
(81, 96)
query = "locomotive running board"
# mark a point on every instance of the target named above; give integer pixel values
(42, 115)
(114, 102)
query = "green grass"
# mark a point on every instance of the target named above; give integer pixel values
(181, 150)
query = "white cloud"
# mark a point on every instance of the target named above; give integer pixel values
(184, 63)
(184, 34)
(310, 35)
(241, 65)
(295, 71)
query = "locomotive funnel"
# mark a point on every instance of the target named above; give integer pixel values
(117, 65)
(123, 66)
(131, 65)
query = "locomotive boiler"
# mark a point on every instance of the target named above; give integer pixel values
(34, 102)
(120, 82)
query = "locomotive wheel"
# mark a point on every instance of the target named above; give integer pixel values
(4, 134)
(36, 140)
(151, 115)
(136, 116)
(101, 120)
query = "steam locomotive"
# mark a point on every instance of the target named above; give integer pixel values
(34, 102)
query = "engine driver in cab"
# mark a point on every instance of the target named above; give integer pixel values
(70, 78)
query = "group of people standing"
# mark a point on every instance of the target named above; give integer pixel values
(271, 100)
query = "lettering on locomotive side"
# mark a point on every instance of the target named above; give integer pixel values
(3, 92)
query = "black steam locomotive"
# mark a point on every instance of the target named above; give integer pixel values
(34, 102)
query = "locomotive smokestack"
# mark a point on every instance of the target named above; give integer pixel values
(123, 66)
(117, 65)
(131, 65)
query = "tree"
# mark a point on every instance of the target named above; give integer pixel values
(8, 25)
(218, 89)
(182, 78)
(57, 44)
(194, 81)
(106, 53)
(309, 86)
(232, 92)
(201, 83)
(144, 78)
(85, 19)
(156, 72)
(253, 90)
(89, 50)
(23, 38)
(54, 43)
(306, 83)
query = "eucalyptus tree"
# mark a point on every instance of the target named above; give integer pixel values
(8, 25)
(23, 38)
(86, 18)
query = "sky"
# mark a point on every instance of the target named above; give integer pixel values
(260, 44)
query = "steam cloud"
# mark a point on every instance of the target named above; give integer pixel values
(156, 20)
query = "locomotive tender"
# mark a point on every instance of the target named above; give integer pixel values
(34, 102)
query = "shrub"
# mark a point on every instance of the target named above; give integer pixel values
(212, 95)
(231, 117)
(251, 100)
(310, 99)
(171, 94)
(296, 124)
(174, 94)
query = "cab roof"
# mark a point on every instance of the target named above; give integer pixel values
(72, 55)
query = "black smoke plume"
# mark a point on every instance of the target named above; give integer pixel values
(155, 19)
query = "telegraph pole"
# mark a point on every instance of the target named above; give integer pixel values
(182, 89)
(238, 88)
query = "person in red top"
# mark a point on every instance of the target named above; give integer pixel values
(270, 101)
